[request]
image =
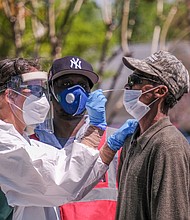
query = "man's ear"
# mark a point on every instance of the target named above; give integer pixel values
(161, 91)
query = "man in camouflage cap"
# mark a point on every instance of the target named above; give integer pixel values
(154, 171)
(166, 67)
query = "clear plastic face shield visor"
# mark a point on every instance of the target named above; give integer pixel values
(32, 84)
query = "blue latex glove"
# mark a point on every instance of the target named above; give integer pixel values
(117, 139)
(95, 107)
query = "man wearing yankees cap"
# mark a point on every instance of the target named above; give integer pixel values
(71, 79)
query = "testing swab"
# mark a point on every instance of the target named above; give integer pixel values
(112, 90)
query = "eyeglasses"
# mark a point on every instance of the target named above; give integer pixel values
(136, 79)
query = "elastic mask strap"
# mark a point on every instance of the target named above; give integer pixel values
(77, 108)
(16, 114)
(13, 104)
(16, 106)
(153, 102)
(77, 86)
(52, 90)
(150, 90)
(18, 94)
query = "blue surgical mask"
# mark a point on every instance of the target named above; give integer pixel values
(73, 100)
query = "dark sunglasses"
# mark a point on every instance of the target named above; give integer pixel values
(136, 79)
(36, 90)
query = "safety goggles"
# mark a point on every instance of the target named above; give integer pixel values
(135, 79)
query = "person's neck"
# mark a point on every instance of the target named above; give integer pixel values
(67, 127)
(7, 115)
(19, 126)
(149, 119)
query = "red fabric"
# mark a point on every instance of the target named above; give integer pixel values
(93, 210)
(33, 136)
(90, 210)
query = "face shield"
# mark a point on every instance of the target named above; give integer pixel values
(29, 98)
(33, 82)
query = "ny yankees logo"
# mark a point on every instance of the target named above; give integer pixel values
(76, 62)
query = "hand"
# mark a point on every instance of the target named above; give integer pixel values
(95, 107)
(117, 139)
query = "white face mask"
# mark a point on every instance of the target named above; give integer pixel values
(35, 109)
(133, 106)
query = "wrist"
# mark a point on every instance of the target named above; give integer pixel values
(92, 136)
(100, 126)
(107, 154)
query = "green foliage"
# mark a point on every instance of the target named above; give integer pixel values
(142, 21)
(180, 24)
(86, 33)
(6, 38)
(143, 18)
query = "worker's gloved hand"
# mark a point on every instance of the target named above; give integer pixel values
(117, 139)
(95, 107)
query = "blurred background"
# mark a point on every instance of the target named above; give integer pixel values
(102, 32)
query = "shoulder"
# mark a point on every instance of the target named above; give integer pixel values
(169, 146)
(170, 137)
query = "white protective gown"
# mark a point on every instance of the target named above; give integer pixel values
(36, 174)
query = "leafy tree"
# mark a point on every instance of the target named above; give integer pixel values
(94, 30)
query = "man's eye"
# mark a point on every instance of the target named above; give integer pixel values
(65, 84)
(83, 85)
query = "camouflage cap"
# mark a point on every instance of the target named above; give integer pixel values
(166, 67)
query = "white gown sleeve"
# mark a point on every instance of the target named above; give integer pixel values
(41, 175)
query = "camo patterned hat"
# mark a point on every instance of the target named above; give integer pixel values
(166, 67)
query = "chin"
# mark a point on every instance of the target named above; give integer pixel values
(66, 116)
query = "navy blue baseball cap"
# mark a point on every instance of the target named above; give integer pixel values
(72, 65)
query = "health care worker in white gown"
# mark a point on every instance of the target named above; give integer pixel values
(34, 175)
